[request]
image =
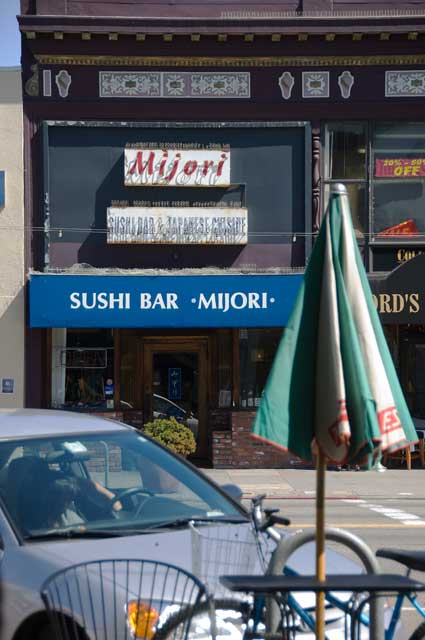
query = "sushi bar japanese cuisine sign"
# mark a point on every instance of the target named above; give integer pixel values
(399, 167)
(176, 167)
(177, 225)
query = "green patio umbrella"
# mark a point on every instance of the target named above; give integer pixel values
(333, 394)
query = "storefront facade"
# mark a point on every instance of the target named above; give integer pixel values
(177, 173)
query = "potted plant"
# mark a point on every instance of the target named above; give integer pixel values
(172, 434)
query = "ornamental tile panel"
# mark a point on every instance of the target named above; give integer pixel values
(165, 84)
(47, 83)
(220, 85)
(345, 83)
(63, 82)
(286, 84)
(315, 84)
(405, 84)
(124, 84)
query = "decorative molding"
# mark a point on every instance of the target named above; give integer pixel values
(345, 82)
(315, 84)
(47, 83)
(286, 84)
(246, 61)
(405, 84)
(302, 37)
(330, 37)
(151, 84)
(316, 210)
(63, 82)
(32, 86)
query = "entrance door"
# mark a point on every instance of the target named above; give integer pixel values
(175, 384)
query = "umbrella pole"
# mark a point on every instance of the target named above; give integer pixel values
(320, 542)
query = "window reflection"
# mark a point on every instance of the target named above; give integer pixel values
(257, 351)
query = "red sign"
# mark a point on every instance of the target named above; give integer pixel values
(399, 167)
(405, 228)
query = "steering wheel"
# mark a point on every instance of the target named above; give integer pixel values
(125, 493)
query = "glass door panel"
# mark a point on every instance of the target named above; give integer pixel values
(176, 385)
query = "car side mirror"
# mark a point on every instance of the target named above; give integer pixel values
(233, 491)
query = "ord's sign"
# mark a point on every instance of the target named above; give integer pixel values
(179, 225)
(162, 301)
(146, 167)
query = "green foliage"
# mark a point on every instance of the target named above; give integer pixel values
(172, 434)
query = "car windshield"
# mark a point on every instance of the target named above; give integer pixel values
(118, 482)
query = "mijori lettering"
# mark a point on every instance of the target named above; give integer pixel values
(176, 167)
(223, 301)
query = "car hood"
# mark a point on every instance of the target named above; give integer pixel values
(206, 551)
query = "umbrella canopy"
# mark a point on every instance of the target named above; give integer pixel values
(333, 384)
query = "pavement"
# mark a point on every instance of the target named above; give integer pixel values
(301, 483)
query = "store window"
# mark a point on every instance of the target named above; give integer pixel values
(346, 161)
(130, 383)
(224, 367)
(257, 349)
(398, 166)
(82, 369)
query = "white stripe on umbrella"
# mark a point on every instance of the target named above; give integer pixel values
(389, 423)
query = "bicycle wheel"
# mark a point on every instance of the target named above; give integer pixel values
(231, 616)
(419, 632)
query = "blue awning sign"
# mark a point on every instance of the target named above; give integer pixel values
(162, 301)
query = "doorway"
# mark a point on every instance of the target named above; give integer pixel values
(176, 384)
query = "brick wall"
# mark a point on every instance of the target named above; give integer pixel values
(236, 448)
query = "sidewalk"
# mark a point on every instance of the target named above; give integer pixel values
(301, 483)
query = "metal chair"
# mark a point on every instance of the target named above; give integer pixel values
(118, 599)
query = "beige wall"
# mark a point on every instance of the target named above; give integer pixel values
(12, 319)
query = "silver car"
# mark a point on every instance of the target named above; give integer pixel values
(78, 488)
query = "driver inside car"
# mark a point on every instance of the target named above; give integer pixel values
(50, 499)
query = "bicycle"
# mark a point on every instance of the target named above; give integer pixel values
(247, 619)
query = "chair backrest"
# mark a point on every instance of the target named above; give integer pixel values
(118, 599)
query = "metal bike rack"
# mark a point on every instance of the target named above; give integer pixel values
(286, 548)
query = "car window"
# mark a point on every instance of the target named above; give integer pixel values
(120, 480)
(168, 408)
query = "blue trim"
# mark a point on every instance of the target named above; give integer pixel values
(2, 189)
